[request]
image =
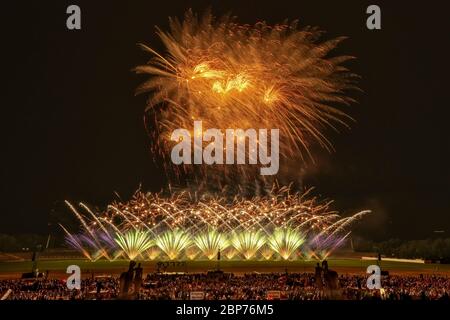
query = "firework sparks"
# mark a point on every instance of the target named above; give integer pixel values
(248, 243)
(173, 242)
(243, 76)
(285, 242)
(180, 223)
(266, 252)
(134, 243)
(153, 253)
(192, 252)
(230, 253)
(210, 243)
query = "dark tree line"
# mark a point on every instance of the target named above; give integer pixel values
(27, 242)
(409, 249)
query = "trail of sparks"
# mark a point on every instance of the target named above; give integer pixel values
(282, 224)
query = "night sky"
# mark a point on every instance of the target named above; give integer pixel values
(73, 129)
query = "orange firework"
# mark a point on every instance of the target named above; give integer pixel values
(240, 76)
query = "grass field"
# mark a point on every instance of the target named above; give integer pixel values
(57, 267)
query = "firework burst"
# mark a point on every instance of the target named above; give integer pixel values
(285, 242)
(153, 253)
(210, 243)
(242, 76)
(134, 243)
(192, 252)
(182, 224)
(172, 243)
(230, 253)
(248, 243)
(266, 252)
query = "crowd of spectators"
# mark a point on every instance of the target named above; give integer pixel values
(255, 286)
